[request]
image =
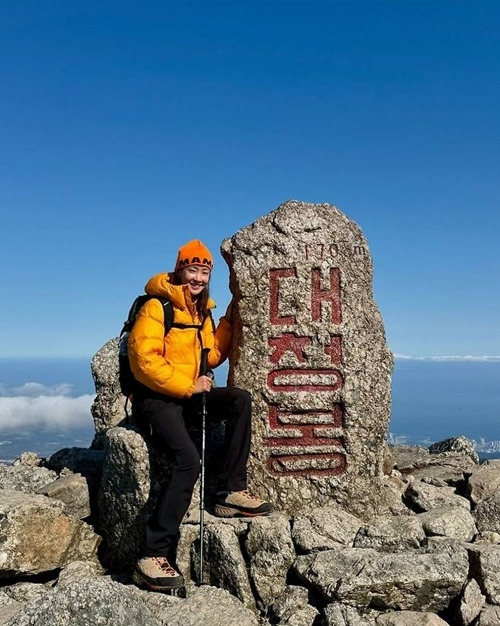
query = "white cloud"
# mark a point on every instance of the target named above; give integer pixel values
(35, 390)
(456, 358)
(45, 411)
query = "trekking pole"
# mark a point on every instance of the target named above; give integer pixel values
(203, 372)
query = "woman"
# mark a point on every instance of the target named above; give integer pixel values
(168, 368)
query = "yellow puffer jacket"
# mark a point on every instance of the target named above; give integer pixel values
(170, 364)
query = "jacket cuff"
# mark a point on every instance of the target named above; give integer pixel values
(189, 391)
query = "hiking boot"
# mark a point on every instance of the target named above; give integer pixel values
(155, 572)
(241, 503)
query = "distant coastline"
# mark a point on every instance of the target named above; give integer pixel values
(45, 443)
(485, 449)
(432, 400)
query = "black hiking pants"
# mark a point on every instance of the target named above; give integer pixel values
(167, 419)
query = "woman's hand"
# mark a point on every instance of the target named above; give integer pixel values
(204, 383)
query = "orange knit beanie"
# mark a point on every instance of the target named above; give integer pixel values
(194, 253)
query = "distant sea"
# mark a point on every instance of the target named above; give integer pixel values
(45, 404)
(434, 400)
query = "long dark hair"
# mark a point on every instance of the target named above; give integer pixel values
(201, 301)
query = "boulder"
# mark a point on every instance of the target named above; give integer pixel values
(488, 537)
(291, 608)
(87, 462)
(409, 458)
(37, 536)
(391, 533)
(487, 514)
(452, 522)
(338, 614)
(322, 571)
(211, 607)
(485, 567)
(29, 459)
(471, 603)
(226, 566)
(25, 478)
(133, 474)
(324, 528)
(24, 592)
(13, 598)
(448, 468)
(364, 578)
(126, 495)
(189, 534)
(271, 553)
(79, 570)
(73, 490)
(460, 445)
(421, 496)
(413, 580)
(87, 601)
(108, 408)
(489, 616)
(410, 618)
(8, 608)
(483, 482)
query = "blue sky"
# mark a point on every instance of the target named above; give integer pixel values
(128, 128)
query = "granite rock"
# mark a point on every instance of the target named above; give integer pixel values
(310, 346)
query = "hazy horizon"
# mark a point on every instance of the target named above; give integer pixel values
(431, 399)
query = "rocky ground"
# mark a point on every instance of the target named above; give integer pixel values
(433, 559)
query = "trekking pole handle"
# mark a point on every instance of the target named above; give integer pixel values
(204, 371)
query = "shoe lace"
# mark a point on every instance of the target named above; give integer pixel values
(165, 566)
(251, 496)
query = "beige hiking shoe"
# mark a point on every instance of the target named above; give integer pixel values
(241, 503)
(155, 572)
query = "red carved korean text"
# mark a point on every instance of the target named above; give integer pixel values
(302, 441)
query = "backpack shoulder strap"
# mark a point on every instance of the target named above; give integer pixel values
(139, 302)
(168, 312)
(211, 320)
(132, 314)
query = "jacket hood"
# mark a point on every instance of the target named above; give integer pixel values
(179, 295)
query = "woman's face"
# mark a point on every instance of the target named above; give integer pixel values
(196, 277)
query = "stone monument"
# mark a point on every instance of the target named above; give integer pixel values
(310, 346)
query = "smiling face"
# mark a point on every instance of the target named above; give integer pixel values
(196, 277)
